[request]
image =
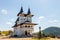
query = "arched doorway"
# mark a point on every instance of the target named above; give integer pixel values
(26, 33)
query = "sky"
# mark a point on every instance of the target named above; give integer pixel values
(46, 13)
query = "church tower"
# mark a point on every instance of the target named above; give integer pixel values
(23, 24)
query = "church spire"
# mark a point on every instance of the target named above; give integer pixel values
(21, 10)
(29, 11)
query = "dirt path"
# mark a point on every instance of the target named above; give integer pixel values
(54, 39)
(25, 39)
(16, 39)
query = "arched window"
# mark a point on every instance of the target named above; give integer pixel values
(29, 26)
(25, 26)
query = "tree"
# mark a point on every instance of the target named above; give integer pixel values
(10, 32)
(0, 32)
(39, 34)
(52, 35)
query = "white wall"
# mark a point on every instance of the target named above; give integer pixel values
(23, 19)
(17, 31)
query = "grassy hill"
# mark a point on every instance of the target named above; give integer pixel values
(52, 31)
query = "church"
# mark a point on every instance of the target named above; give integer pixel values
(23, 24)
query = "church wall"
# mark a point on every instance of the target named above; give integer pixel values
(17, 31)
(28, 18)
(21, 19)
(26, 29)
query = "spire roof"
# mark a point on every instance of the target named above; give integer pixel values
(17, 20)
(29, 11)
(21, 10)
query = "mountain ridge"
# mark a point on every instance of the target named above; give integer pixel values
(52, 30)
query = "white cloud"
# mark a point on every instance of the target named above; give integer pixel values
(9, 23)
(53, 21)
(4, 11)
(41, 17)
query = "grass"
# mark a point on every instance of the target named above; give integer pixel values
(48, 38)
(41, 38)
(44, 38)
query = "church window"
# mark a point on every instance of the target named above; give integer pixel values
(25, 26)
(29, 26)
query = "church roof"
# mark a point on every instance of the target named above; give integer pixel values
(28, 23)
(17, 20)
(21, 11)
(29, 12)
(24, 15)
(25, 24)
(15, 25)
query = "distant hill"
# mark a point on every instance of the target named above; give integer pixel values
(52, 30)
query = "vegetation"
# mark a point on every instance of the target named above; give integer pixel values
(47, 38)
(6, 32)
(0, 32)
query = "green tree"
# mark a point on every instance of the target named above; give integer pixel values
(0, 32)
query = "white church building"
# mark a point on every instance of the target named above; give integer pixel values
(23, 24)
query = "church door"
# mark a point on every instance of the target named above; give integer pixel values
(25, 32)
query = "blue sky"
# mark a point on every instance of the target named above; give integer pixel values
(46, 12)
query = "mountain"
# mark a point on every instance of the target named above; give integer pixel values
(52, 31)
